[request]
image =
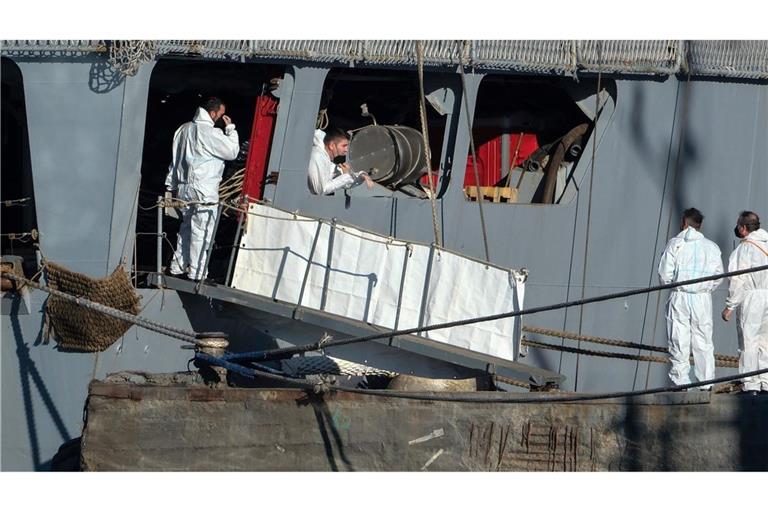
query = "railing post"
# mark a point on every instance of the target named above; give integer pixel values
(328, 262)
(241, 218)
(209, 248)
(159, 236)
(425, 292)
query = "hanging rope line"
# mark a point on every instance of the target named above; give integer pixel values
(589, 215)
(286, 352)
(683, 124)
(472, 147)
(425, 138)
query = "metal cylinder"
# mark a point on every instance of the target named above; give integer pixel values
(392, 155)
(214, 344)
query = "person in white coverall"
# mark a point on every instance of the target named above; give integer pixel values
(325, 177)
(199, 152)
(748, 296)
(689, 309)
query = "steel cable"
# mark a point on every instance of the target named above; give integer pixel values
(470, 398)
(287, 352)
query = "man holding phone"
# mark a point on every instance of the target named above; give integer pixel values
(199, 151)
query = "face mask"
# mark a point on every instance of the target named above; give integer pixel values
(736, 232)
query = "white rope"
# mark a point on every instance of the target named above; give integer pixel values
(425, 137)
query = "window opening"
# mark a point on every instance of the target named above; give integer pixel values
(380, 109)
(19, 219)
(519, 124)
(176, 89)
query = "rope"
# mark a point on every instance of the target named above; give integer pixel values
(470, 398)
(106, 310)
(322, 119)
(22, 237)
(285, 352)
(611, 342)
(589, 216)
(614, 355)
(425, 137)
(512, 382)
(594, 339)
(683, 124)
(474, 155)
(17, 202)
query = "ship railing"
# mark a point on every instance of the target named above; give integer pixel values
(734, 59)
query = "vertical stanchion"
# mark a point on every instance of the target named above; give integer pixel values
(400, 293)
(159, 236)
(209, 248)
(328, 263)
(309, 267)
(236, 243)
(425, 292)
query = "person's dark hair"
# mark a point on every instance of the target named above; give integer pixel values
(334, 134)
(211, 104)
(693, 217)
(749, 220)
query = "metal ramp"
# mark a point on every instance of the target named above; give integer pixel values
(323, 320)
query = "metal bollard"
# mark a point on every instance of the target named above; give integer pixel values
(214, 344)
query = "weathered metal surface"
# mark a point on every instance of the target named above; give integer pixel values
(187, 427)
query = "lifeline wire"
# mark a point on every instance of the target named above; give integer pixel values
(287, 352)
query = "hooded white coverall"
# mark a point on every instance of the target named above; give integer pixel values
(323, 176)
(199, 152)
(748, 295)
(689, 309)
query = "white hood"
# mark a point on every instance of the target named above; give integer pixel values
(759, 235)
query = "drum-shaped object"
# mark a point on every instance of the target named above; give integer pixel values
(390, 154)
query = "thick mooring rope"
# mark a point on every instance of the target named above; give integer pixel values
(106, 310)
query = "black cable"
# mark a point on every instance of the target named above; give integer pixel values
(433, 396)
(289, 351)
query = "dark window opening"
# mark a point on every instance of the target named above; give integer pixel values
(391, 100)
(176, 89)
(19, 219)
(528, 135)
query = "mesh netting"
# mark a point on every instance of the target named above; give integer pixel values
(78, 328)
(128, 56)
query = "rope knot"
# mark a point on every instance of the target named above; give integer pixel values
(324, 384)
(323, 342)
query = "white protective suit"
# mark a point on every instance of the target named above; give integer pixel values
(748, 295)
(689, 309)
(199, 152)
(323, 176)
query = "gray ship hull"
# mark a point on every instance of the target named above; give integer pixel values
(663, 144)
